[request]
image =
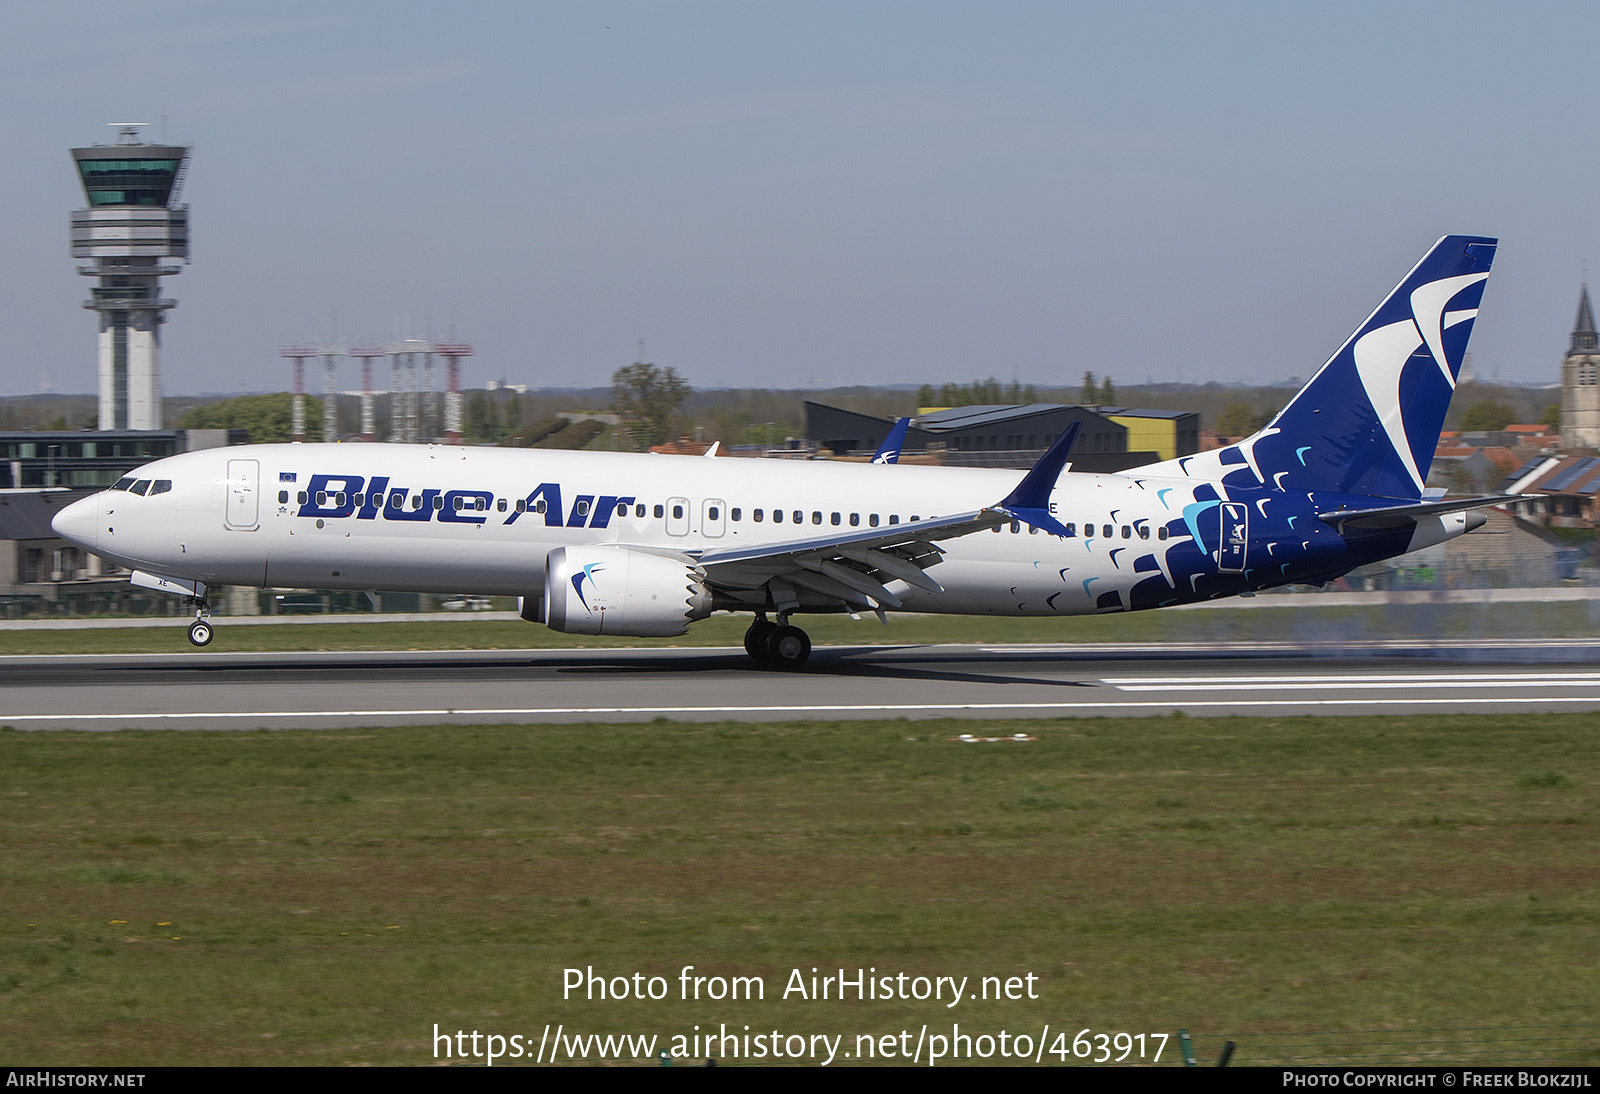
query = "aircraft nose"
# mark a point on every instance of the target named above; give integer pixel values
(80, 522)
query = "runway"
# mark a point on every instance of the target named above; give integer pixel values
(200, 690)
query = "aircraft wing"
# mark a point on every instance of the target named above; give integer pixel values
(854, 567)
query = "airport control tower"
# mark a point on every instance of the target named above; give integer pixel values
(132, 223)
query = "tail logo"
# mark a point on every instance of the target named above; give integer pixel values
(1381, 355)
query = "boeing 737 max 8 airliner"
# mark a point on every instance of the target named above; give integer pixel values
(625, 544)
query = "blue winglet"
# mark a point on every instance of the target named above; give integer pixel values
(889, 450)
(1030, 501)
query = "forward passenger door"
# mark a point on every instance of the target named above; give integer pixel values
(243, 495)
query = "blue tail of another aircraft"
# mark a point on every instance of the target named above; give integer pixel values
(889, 450)
(1369, 420)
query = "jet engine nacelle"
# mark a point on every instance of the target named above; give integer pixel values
(615, 590)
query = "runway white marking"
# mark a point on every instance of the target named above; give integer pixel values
(1364, 681)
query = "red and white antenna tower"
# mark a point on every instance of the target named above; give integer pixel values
(330, 391)
(453, 352)
(368, 418)
(299, 354)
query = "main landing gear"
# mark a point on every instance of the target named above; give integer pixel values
(200, 632)
(778, 643)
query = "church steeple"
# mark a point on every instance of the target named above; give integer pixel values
(1585, 339)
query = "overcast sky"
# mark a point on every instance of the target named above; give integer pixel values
(809, 194)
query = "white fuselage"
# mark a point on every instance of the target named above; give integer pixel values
(235, 516)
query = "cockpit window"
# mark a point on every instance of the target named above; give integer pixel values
(160, 486)
(140, 487)
(122, 484)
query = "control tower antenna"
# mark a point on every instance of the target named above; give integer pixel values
(133, 220)
(297, 422)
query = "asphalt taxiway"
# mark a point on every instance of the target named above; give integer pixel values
(204, 690)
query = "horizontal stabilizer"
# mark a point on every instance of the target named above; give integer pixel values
(1395, 516)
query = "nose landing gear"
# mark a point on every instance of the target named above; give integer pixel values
(200, 632)
(777, 644)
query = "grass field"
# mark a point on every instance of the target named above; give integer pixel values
(1311, 624)
(296, 897)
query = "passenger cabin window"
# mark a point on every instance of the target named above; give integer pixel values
(833, 518)
(539, 506)
(1071, 527)
(1162, 534)
(1016, 526)
(438, 502)
(855, 520)
(872, 520)
(1144, 531)
(622, 509)
(301, 497)
(357, 500)
(581, 507)
(322, 497)
(1108, 531)
(894, 518)
(798, 516)
(677, 511)
(338, 499)
(500, 505)
(734, 513)
(755, 515)
(660, 511)
(283, 497)
(638, 510)
(397, 500)
(711, 513)
(1127, 532)
(777, 516)
(816, 516)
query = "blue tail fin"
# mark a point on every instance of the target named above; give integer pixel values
(1369, 420)
(889, 450)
